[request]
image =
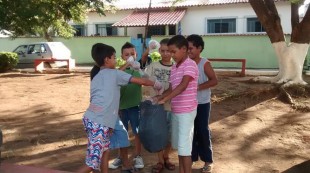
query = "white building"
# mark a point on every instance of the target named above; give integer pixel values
(303, 8)
(201, 17)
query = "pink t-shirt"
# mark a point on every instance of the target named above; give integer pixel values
(186, 101)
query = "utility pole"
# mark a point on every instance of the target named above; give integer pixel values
(147, 26)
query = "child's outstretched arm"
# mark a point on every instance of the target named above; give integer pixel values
(143, 81)
(144, 56)
(178, 90)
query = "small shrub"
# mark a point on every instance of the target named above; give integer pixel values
(8, 60)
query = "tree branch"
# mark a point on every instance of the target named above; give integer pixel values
(268, 16)
(294, 15)
(301, 34)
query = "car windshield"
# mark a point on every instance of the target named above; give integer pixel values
(21, 49)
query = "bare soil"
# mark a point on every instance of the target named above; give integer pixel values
(252, 130)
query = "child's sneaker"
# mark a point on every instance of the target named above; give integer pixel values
(116, 163)
(207, 168)
(138, 162)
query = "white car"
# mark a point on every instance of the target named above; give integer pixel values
(27, 53)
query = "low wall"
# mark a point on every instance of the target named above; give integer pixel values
(80, 46)
(256, 49)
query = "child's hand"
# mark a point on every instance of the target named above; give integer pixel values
(111, 131)
(135, 65)
(130, 60)
(158, 87)
(160, 102)
(154, 99)
(153, 46)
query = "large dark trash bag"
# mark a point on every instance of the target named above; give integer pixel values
(153, 129)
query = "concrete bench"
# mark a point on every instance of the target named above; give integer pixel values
(243, 61)
(39, 63)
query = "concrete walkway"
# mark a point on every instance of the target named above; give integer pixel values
(251, 72)
(248, 72)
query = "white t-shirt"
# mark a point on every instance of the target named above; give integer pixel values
(161, 72)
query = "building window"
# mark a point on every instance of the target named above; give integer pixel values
(172, 30)
(79, 30)
(254, 25)
(221, 26)
(105, 30)
(156, 30)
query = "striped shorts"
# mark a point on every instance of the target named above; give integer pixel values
(98, 142)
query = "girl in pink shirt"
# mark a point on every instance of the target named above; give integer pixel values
(183, 95)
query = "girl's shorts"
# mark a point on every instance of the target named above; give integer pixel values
(98, 142)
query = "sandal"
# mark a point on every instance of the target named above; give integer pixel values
(169, 165)
(159, 167)
(206, 169)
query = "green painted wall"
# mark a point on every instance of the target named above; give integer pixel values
(80, 46)
(257, 50)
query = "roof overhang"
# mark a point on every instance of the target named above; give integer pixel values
(157, 18)
(159, 4)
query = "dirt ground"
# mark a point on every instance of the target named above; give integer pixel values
(252, 131)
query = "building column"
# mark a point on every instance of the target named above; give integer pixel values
(167, 30)
(125, 31)
(177, 28)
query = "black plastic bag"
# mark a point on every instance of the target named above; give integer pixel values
(153, 129)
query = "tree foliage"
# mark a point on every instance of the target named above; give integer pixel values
(46, 17)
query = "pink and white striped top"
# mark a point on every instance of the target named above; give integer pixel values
(186, 101)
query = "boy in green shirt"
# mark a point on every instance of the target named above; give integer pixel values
(130, 99)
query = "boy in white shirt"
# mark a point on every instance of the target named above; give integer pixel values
(161, 71)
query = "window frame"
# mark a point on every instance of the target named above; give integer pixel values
(157, 28)
(83, 26)
(246, 25)
(221, 18)
(96, 29)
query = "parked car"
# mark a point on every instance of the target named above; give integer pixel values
(27, 53)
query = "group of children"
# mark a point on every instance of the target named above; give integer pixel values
(115, 96)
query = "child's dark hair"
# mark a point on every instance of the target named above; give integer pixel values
(164, 41)
(127, 45)
(179, 41)
(196, 40)
(101, 51)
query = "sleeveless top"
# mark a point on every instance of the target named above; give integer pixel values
(203, 96)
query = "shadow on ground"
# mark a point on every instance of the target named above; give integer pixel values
(303, 167)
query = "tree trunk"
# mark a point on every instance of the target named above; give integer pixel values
(47, 36)
(290, 56)
(291, 59)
